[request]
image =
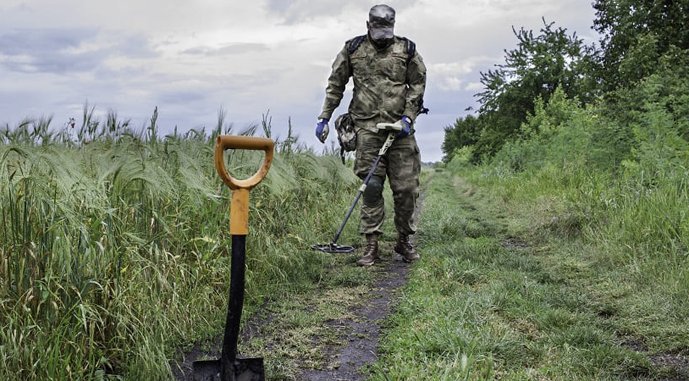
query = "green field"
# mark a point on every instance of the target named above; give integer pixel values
(115, 261)
(114, 243)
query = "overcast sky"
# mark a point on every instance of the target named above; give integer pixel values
(192, 58)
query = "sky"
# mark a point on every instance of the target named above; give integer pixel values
(193, 58)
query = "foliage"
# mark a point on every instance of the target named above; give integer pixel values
(559, 132)
(539, 65)
(635, 34)
(114, 243)
(464, 132)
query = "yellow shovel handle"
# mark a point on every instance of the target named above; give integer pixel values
(239, 208)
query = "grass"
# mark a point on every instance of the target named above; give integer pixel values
(114, 243)
(114, 257)
(513, 285)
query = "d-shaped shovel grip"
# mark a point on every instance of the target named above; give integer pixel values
(239, 208)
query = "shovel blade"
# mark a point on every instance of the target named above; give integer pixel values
(250, 369)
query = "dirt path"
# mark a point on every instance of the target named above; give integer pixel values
(361, 332)
(329, 333)
(335, 345)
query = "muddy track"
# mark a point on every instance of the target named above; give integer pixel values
(361, 333)
(344, 343)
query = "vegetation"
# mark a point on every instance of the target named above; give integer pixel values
(114, 242)
(575, 243)
(539, 65)
(543, 264)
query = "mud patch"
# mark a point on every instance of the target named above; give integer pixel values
(362, 332)
(677, 365)
(672, 367)
(514, 243)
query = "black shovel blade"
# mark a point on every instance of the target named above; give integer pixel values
(333, 248)
(250, 369)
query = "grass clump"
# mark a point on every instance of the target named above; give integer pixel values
(114, 243)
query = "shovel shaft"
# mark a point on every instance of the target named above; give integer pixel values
(234, 310)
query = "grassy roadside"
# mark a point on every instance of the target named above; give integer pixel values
(309, 329)
(508, 289)
(114, 248)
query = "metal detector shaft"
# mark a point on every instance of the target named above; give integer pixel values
(362, 188)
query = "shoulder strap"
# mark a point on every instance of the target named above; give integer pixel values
(410, 47)
(354, 43)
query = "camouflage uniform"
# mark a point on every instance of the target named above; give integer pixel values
(387, 85)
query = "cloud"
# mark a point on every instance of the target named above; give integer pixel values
(61, 51)
(449, 76)
(229, 49)
(474, 86)
(299, 11)
(456, 76)
(46, 50)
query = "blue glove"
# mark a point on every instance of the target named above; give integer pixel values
(406, 127)
(322, 129)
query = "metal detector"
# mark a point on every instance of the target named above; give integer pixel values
(333, 247)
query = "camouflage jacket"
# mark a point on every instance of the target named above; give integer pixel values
(387, 83)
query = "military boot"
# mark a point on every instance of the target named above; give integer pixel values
(405, 249)
(371, 254)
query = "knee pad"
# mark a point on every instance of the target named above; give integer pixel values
(374, 191)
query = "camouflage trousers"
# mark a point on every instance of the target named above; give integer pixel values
(401, 164)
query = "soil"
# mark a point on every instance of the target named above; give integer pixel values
(363, 330)
(359, 335)
(676, 365)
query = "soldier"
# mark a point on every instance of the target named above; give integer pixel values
(389, 84)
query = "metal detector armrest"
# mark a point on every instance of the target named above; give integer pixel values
(391, 127)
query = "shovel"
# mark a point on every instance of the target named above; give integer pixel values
(230, 367)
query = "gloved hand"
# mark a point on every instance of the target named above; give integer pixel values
(406, 127)
(322, 129)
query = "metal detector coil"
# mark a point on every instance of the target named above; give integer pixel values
(333, 248)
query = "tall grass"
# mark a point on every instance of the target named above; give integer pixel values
(114, 241)
(632, 210)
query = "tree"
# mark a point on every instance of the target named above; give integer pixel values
(635, 34)
(464, 132)
(540, 64)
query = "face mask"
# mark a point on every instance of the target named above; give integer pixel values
(381, 43)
